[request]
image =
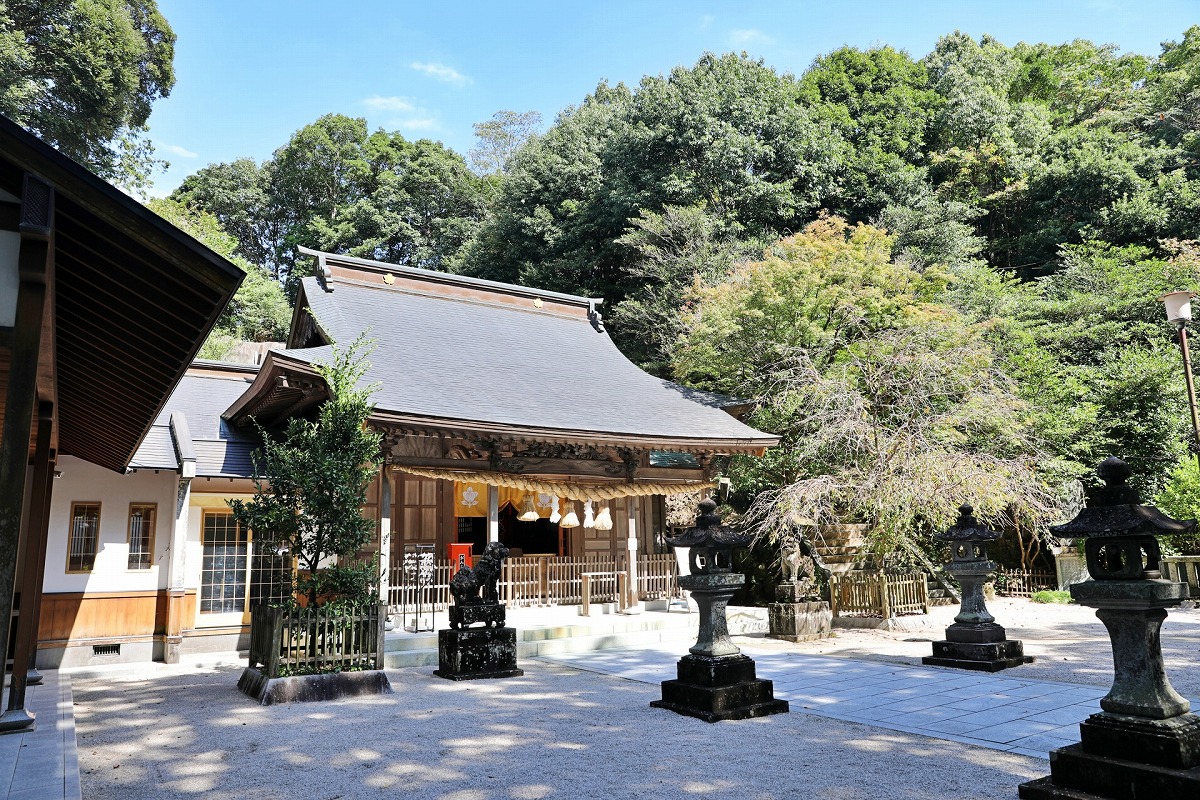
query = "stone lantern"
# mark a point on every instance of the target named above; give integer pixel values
(715, 680)
(1144, 743)
(974, 641)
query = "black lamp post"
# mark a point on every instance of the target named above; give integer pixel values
(1179, 311)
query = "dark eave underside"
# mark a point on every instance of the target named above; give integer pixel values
(134, 300)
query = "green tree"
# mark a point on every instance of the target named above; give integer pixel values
(236, 194)
(498, 139)
(83, 75)
(891, 408)
(258, 312)
(311, 485)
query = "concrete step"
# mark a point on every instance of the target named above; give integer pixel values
(532, 647)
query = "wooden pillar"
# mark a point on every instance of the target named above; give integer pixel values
(35, 265)
(386, 509)
(632, 604)
(33, 677)
(36, 526)
(493, 513)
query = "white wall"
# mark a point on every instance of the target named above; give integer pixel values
(83, 482)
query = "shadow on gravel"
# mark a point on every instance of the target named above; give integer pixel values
(555, 733)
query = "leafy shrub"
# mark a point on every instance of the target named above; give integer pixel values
(1051, 596)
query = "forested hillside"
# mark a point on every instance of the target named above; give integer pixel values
(937, 274)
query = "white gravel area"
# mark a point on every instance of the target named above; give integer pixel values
(562, 733)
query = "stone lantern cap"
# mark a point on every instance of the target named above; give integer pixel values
(967, 529)
(711, 542)
(1115, 510)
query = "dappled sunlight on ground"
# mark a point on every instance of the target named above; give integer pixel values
(555, 733)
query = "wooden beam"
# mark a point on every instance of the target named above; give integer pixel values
(35, 264)
(554, 468)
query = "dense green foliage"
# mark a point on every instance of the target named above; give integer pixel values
(258, 312)
(967, 312)
(83, 74)
(336, 187)
(311, 486)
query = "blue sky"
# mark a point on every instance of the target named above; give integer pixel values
(250, 73)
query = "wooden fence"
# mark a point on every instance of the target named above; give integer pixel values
(304, 641)
(1182, 569)
(1023, 582)
(860, 592)
(545, 581)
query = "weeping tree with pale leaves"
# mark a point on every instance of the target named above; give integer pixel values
(892, 410)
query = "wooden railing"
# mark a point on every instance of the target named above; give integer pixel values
(305, 641)
(1022, 582)
(547, 581)
(1182, 569)
(878, 593)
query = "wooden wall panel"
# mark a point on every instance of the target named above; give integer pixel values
(76, 615)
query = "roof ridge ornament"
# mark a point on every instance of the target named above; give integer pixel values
(595, 317)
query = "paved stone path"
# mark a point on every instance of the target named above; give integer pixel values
(1001, 711)
(42, 764)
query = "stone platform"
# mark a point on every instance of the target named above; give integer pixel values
(471, 653)
(977, 646)
(719, 688)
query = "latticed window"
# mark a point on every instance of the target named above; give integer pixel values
(223, 569)
(141, 535)
(232, 564)
(85, 533)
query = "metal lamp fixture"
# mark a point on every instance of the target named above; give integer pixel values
(1179, 311)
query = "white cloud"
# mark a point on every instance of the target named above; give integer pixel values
(706, 21)
(176, 150)
(749, 36)
(417, 124)
(396, 105)
(441, 72)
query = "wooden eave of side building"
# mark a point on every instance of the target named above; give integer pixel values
(133, 299)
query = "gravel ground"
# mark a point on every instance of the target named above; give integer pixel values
(562, 733)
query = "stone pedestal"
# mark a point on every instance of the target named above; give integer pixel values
(981, 646)
(716, 682)
(715, 689)
(471, 653)
(798, 614)
(1145, 744)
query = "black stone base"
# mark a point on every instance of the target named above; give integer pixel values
(980, 656)
(302, 688)
(721, 688)
(975, 633)
(1078, 775)
(1173, 743)
(472, 653)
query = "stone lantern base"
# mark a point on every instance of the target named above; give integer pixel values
(1167, 764)
(719, 688)
(979, 646)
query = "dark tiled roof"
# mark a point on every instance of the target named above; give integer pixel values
(221, 449)
(463, 359)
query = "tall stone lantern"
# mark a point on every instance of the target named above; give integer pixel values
(974, 641)
(1145, 743)
(715, 680)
